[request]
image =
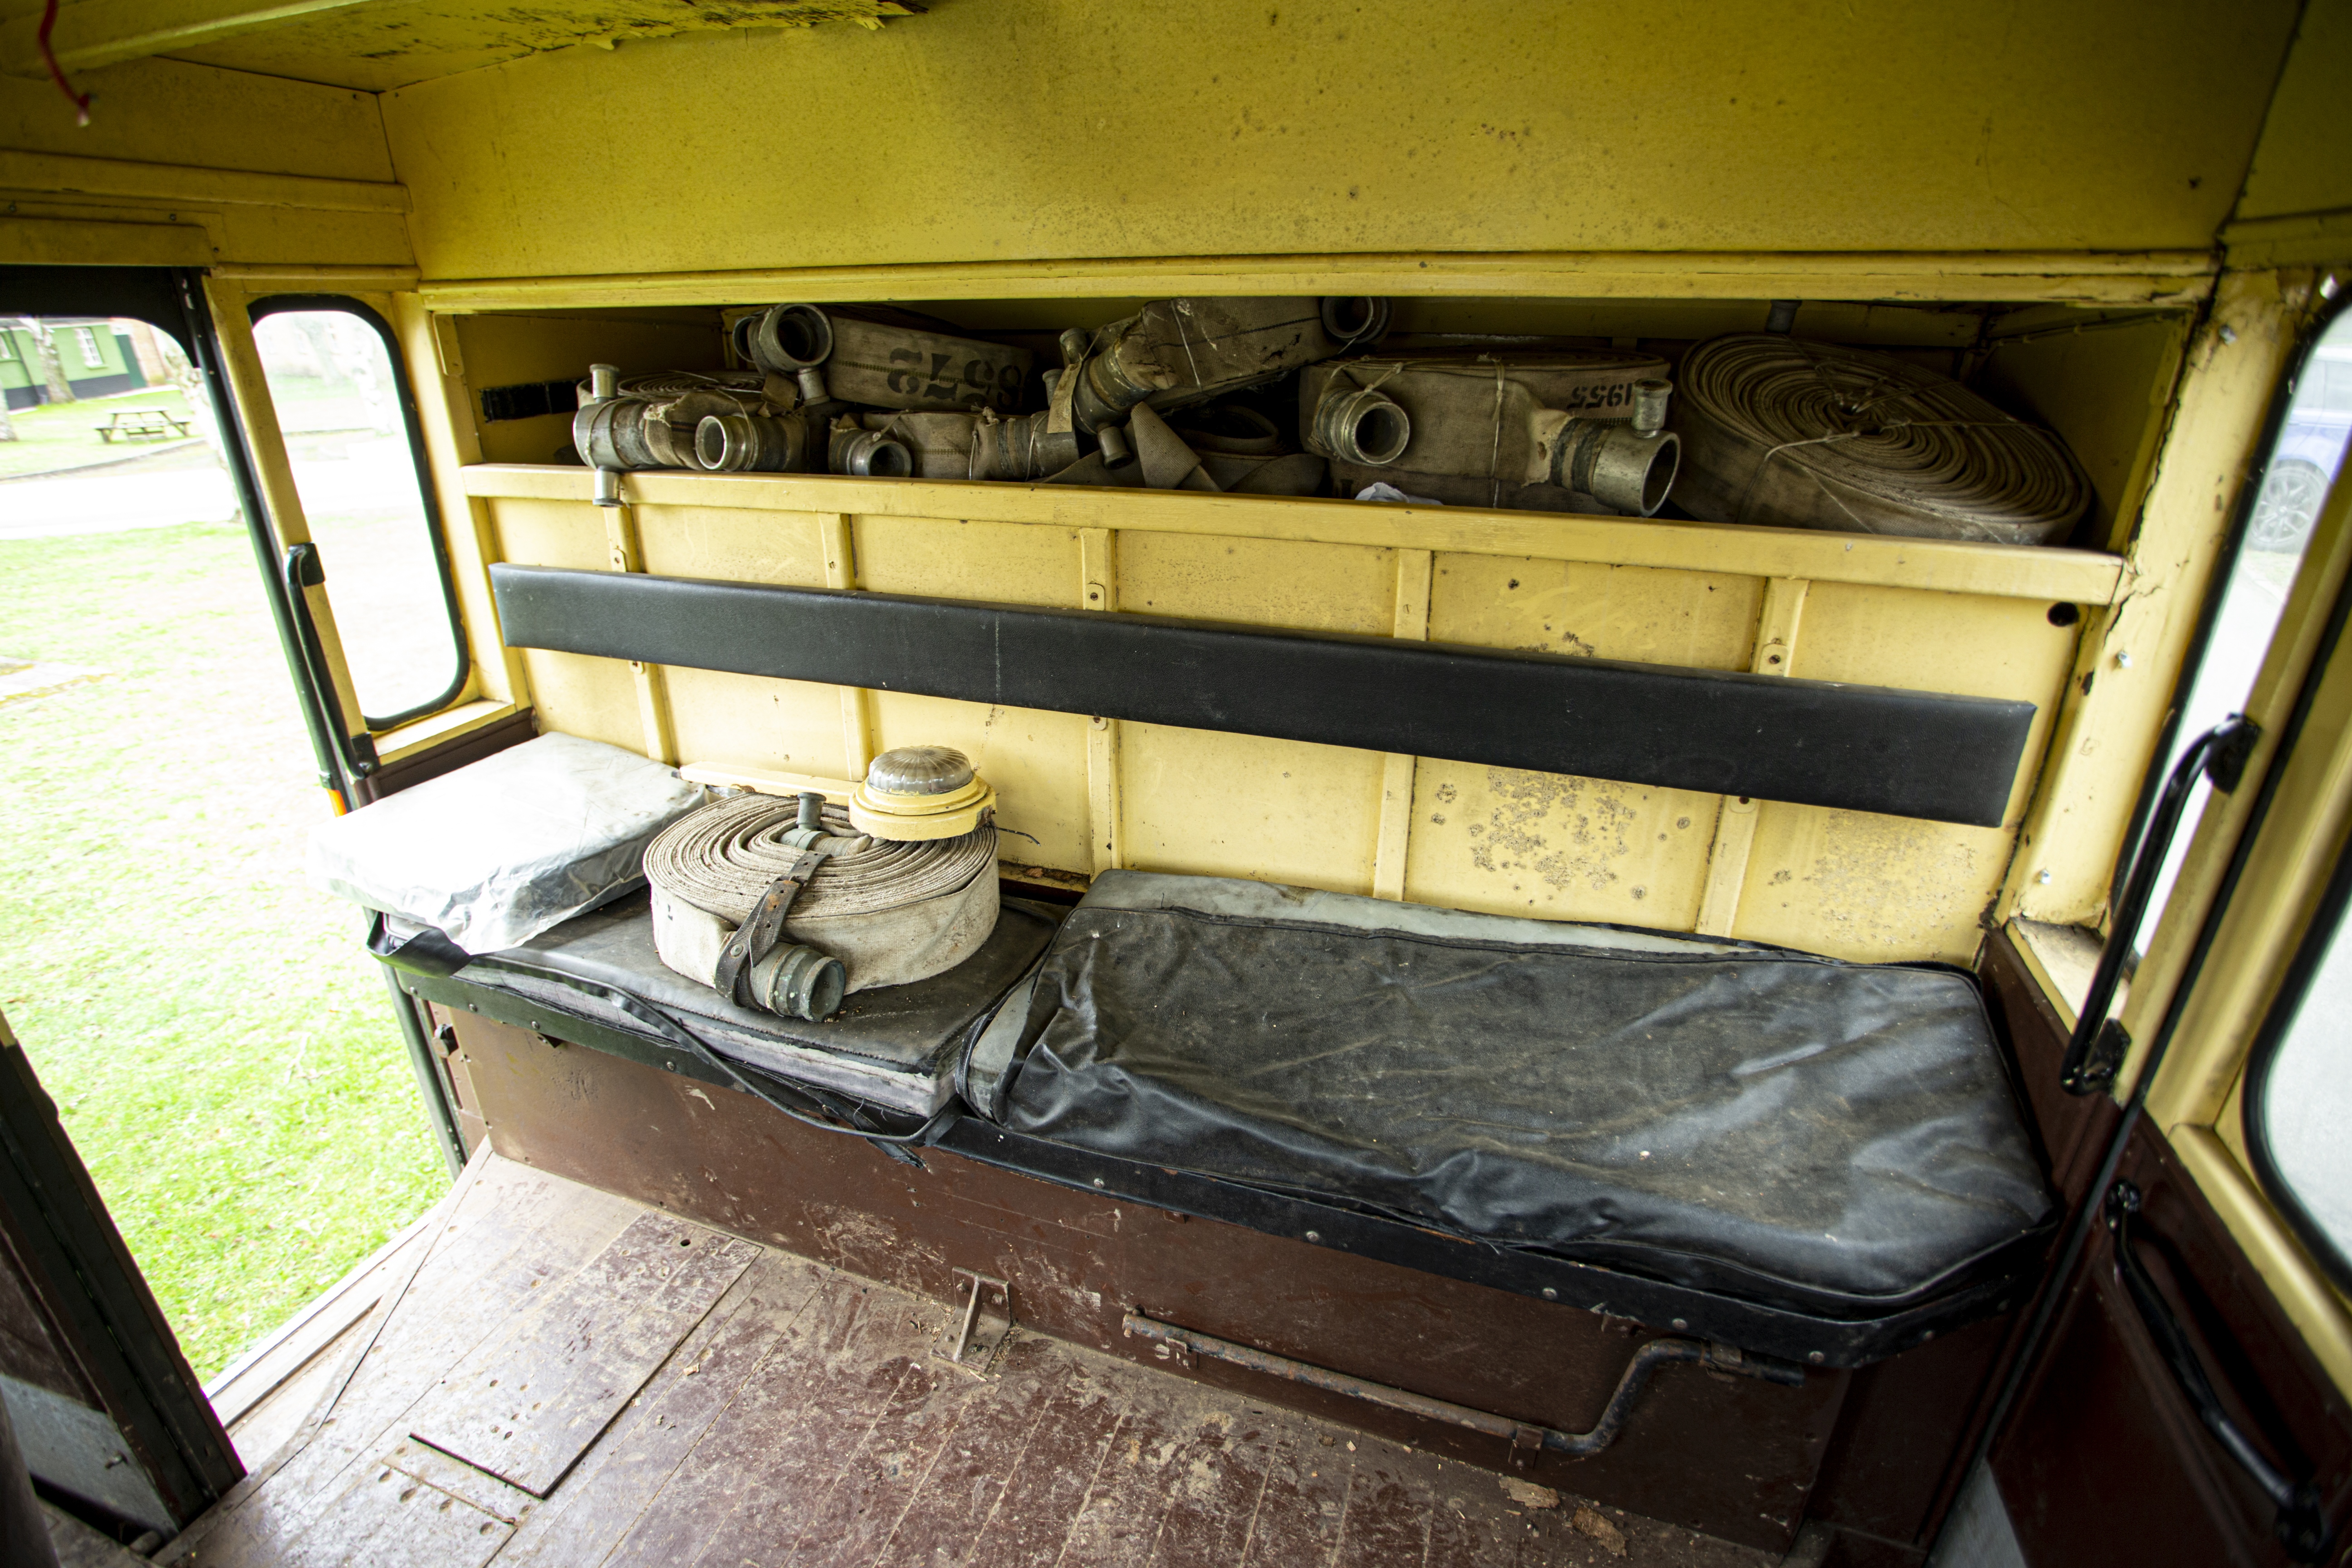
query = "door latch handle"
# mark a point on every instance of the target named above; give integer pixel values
(302, 569)
(2096, 1053)
(2300, 1525)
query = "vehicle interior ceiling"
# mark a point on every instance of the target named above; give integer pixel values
(1281, 874)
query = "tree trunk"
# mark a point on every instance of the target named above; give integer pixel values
(53, 368)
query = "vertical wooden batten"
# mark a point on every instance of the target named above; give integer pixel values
(1395, 831)
(1098, 590)
(1735, 826)
(653, 693)
(840, 543)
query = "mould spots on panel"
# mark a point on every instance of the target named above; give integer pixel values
(1882, 884)
(1563, 830)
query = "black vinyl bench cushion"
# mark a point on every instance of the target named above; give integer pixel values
(894, 1046)
(1821, 1137)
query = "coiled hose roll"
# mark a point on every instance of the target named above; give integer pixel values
(1796, 434)
(892, 912)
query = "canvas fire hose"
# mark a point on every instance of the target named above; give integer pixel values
(1549, 432)
(789, 904)
(1790, 433)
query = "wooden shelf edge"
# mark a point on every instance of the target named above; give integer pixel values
(1953, 566)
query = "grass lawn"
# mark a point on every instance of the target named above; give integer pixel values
(64, 436)
(221, 1050)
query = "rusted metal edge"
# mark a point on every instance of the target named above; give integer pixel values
(1651, 1355)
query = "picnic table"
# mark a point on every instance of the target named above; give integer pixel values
(132, 424)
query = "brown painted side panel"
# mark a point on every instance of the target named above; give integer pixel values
(1899, 1440)
(1735, 1459)
(1896, 1465)
(29, 1347)
(2073, 1131)
(2105, 1460)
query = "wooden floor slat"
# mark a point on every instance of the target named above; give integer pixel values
(623, 1474)
(800, 1421)
(528, 1403)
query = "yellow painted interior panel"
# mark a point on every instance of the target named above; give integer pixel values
(1262, 581)
(581, 695)
(2299, 164)
(549, 533)
(1250, 130)
(1853, 885)
(389, 43)
(2070, 376)
(733, 546)
(1036, 761)
(1241, 806)
(780, 726)
(174, 114)
(1004, 562)
(1558, 848)
(1706, 620)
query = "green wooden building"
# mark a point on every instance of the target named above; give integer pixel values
(98, 361)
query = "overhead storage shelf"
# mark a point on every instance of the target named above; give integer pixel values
(2022, 571)
(2153, 278)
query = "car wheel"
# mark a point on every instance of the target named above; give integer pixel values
(2287, 507)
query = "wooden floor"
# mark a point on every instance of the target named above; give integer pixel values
(604, 1384)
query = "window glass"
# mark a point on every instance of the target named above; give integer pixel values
(330, 377)
(2306, 1099)
(2302, 464)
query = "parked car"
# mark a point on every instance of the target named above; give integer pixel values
(2309, 450)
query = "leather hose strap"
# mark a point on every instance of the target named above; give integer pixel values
(757, 936)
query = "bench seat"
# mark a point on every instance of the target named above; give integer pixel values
(1828, 1138)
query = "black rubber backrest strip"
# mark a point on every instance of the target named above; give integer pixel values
(1857, 748)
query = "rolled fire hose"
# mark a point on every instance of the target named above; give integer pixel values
(890, 912)
(1795, 434)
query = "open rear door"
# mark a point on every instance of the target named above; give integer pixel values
(109, 1414)
(2186, 1398)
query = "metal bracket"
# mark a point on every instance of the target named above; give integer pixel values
(976, 1339)
(1526, 1442)
(1180, 1345)
(1175, 1352)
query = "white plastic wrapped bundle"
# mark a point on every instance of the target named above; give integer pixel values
(505, 848)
